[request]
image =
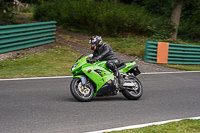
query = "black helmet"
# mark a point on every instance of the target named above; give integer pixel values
(95, 42)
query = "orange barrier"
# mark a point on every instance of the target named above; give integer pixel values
(162, 52)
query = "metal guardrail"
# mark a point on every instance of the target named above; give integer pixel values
(20, 36)
(176, 53)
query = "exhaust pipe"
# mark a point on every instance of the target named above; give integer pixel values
(129, 84)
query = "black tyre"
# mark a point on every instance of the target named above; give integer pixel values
(78, 91)
(134, 92)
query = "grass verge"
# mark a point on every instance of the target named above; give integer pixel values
(52, 62)
(185, 67)
(183, 126)
(134, 46)
(58, 61)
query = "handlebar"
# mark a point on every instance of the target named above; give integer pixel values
(91, 61)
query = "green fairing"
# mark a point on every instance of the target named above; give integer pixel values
(129, 65)
(90, 70)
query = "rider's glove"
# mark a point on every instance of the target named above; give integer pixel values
(91, 61)
(94, 59)
(97, 58)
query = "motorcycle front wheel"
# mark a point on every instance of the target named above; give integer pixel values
(134, 92)
(81, 93)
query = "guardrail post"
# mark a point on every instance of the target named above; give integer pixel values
(162, 52)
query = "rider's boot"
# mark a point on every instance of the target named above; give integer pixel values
(120, 79)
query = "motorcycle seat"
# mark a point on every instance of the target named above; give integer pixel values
(122, 65)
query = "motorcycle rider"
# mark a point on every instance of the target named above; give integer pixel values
(103, 52)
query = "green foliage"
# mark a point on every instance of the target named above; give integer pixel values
(105, 18)
(6, 14)
(46, 12)
(35, 1)
(161, 7)
(189, 24)
(189, 21)
(146, 18)
(161, 29)
(189, 30)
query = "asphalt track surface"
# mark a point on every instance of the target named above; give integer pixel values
(47, 106)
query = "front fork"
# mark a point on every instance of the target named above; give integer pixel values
(84, 81)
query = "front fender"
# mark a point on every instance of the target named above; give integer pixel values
(77, 76)
(83, 79)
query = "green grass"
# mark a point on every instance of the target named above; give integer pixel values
(58, 61)
(185, 67)
(52, 62)
(134, 46)
(184, 126)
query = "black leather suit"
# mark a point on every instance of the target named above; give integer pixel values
(105, 53)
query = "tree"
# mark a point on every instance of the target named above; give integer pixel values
(175, 17)
(6, 12)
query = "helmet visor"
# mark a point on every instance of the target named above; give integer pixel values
(91, 41)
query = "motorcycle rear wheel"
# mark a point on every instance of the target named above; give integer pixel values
(135, 92)
(79, 92)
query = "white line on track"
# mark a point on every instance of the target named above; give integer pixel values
(56, 77)
(141, 125)
(172, 72)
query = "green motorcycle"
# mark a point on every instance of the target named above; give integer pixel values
(92, 78)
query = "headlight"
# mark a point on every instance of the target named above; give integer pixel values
(74, 66)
